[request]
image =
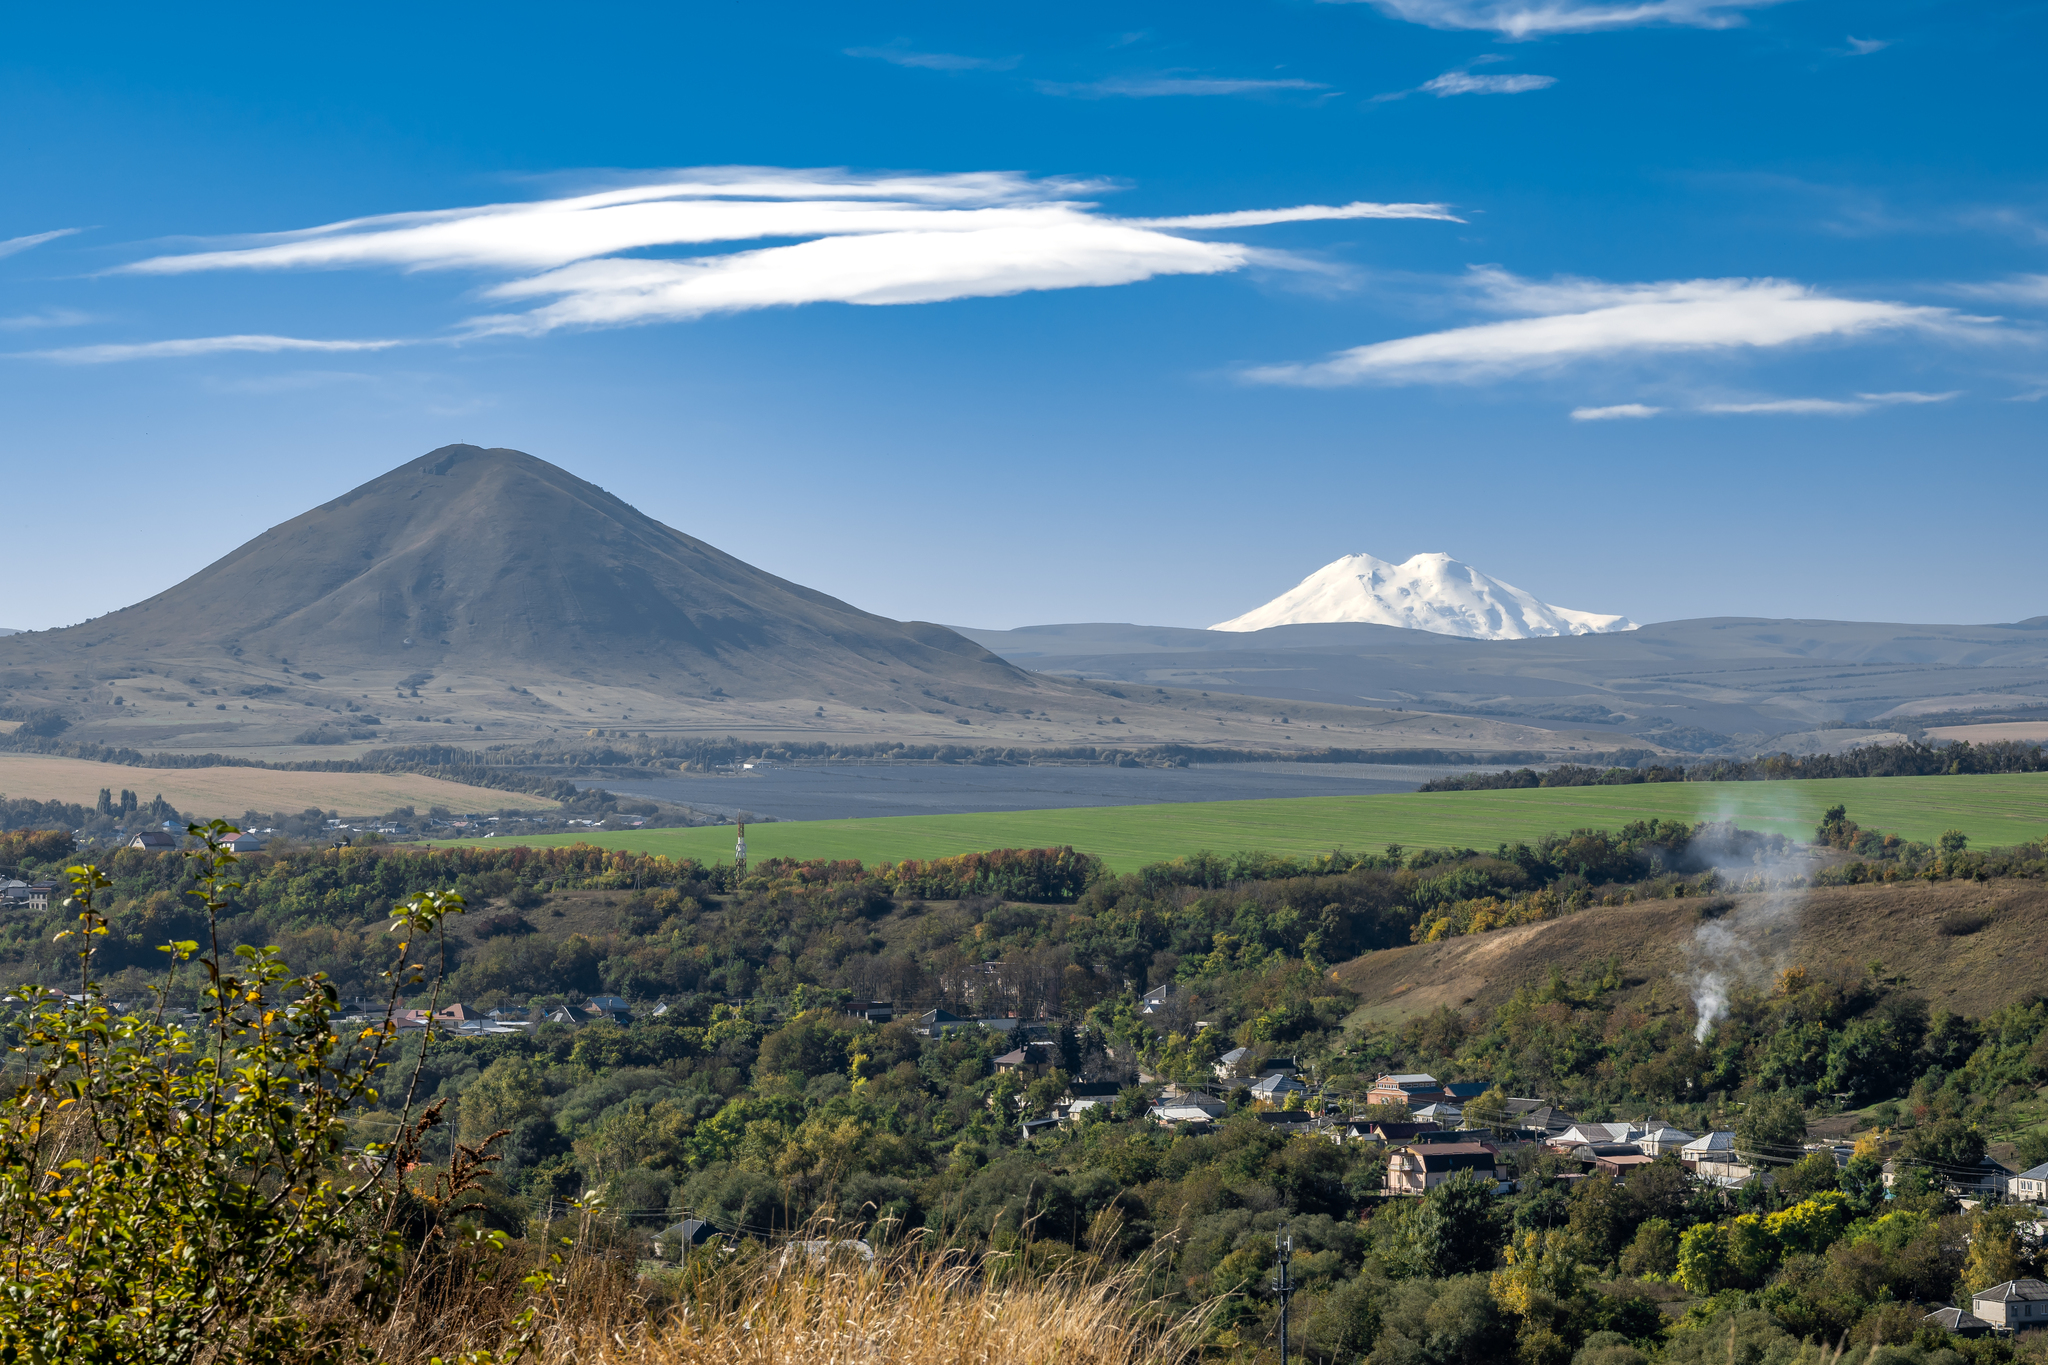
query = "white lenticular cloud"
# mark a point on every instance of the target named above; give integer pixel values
(190, 346)
(1908, 396)
(1617, 411)
(1158, 87)
(1581, 320)
(1533, 18)
(1465, 83)
(838, 237)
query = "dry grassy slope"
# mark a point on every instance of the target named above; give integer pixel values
(1836, 930)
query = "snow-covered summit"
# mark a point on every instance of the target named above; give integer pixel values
(1428, 592)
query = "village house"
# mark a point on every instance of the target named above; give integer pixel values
(1662, 1141)
(1413, 1089)
(1714, 1158)
(2015, 1306)
(153, 839)
(937, 1022)
(2030, 1186)
(1421, 1168)
(1275, 1087)
(1226, 1066)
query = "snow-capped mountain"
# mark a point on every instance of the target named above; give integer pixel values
(1427, 592)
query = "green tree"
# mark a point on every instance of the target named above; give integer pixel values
(1457, 1231)
(1703, 1262)
(1771, 1129)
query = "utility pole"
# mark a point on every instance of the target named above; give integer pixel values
(1283, 1284)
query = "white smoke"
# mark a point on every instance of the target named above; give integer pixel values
(1750, 942)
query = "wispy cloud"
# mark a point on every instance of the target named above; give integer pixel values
(1156, 87)
(1788, 407)
(871, 240)
(1907, 396)
(1863, 47)
(1803, 407)
(1304, 214)
(191, 346)
(1465, 83)
(2014, 288)
(933, 61)
(48, 317)
(14, 245)
(1534, 18)
(1580, 320)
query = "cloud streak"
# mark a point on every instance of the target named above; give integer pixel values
(1465, 83)
(15, 245)
(838, 238)
(1536, 18)
(1157, 87)
(933, 61)
(1583, 320)
(1615, 412)
(192, 346)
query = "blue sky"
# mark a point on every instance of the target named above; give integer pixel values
(1668, 309)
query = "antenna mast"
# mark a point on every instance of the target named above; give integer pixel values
(739, 853)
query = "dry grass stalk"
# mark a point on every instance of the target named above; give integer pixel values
(903, 1310)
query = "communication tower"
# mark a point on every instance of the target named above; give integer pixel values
(739, 852)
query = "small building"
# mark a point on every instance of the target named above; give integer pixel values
(1714, 1157)
(938, 1022)
(1421, 1168)
(1396, 1134)
(872, 1011)
(1990, 1181)
(1082, 1096)
(157, 839)
(1597, 1134)
(1660, 1141)
(1155, 999)
(1033, 1127)
(1226, 1066)
(2015, 1306)
(1956, 1320)
(1192, 1118)
(237, 843)
(457, 1014)
(2030, 1186)
(1012, 1061)
(1618, 1164)
(1409, 1088)
(1275, 1087)
(571, 1016)
(675, 1241)
(1440, 1113)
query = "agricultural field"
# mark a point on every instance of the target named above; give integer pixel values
(1992, 810)
(230, 791)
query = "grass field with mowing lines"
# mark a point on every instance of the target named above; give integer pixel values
(1992, 810)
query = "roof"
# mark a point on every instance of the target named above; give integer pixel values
(941, 1016)
(1093, 1089)
(691, 1232)
(1663, 1135)
(1408, 1078)
(1626, 1159)
(1234, 1056)
(1468, 1090)
(2039, 1172)
(1016, 1058)
(1285, 1118)
(1268, 1085)
(2012, 1291)
(1397, 1132)
(1712, 1143)
(1451, 1156)
(1956, 1320)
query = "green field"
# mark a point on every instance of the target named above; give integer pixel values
(1991, 810)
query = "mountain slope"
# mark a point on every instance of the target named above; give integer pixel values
(1430, 592)
(483, 556)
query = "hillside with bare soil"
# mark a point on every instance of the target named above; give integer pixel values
(1969, 947)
